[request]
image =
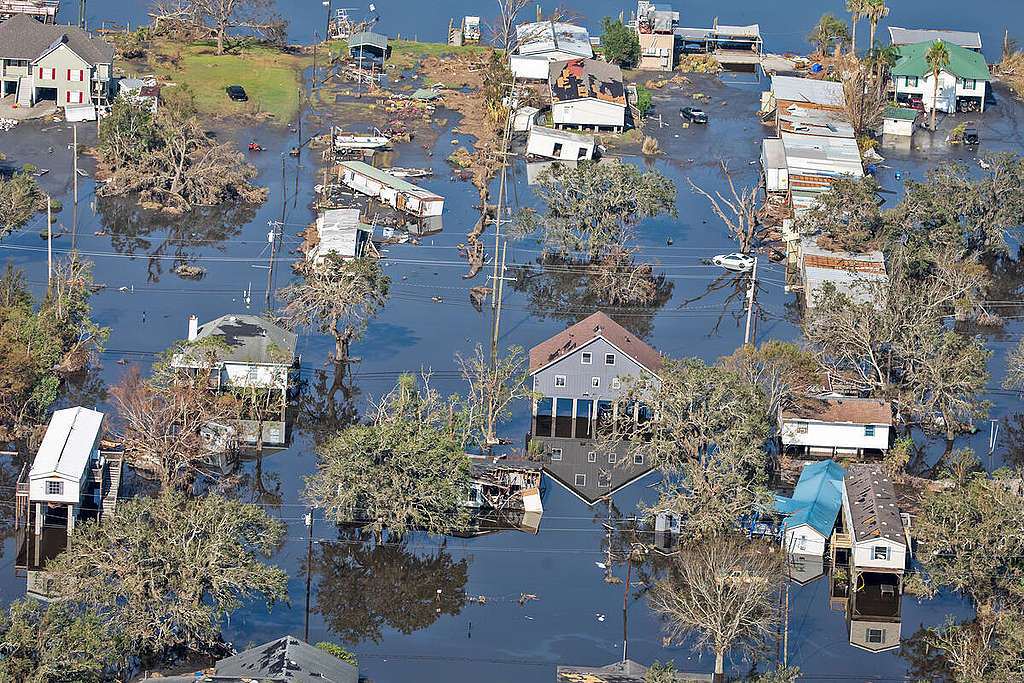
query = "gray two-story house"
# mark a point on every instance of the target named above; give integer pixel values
(579, 373)
(63, 64)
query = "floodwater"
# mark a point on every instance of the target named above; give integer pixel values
(425, 609)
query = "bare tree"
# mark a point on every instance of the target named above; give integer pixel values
(863, 102)
(721, 591)
(340, 297)
(174, 16)
(502, 29)
(738, 212)
(493, 389)
(222, 17)
(620, 281)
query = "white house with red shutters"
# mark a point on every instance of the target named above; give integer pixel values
(62, 64)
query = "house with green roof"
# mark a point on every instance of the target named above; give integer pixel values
(964, 81)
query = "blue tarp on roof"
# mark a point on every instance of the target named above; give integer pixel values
(817, 498)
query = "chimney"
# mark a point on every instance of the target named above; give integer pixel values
(193, 328)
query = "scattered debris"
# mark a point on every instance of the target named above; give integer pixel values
(191, 272)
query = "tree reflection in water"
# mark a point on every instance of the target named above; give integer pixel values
(163, 236)
(363, 587)
(735, 286)
(327, 402)
(565, 290)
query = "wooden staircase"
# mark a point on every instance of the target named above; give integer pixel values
(111, 486)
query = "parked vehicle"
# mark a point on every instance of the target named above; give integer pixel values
(739, 263)
(237, 93)
(971, 136)
(694, 114)
(915, 102)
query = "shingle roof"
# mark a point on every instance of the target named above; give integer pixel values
(817, 498)
(578, 79)
(861, 411)
(288, 659)
(963, 63)
(627, 671)
(596, 325)
(22, 37)
(872, 501)
(250, 338)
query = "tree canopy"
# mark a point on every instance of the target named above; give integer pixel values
(620, 43)
(404, 470)
(19, 199)
(166, 571)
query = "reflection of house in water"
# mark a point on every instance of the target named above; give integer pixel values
(803, 569)
(69, 481)
(579, 372)
(258, 359)
(874, 613)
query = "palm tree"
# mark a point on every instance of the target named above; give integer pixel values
(856, 8)
(937, 59)
(881, 60)
(875, 11)
(829, 30)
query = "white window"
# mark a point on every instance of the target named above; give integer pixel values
(595, 382)
(880, 552)
(611, 458)
(876, 635)
(581, 480)
(76, 97)
(556, 453)
(616, 383)
(76, 75)
(638, 459)
(586, 358)
(55, 488)
(609, 359)
(592, 456)
(559, 380)
(47, 74)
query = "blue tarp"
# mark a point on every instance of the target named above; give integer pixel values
(817, 498)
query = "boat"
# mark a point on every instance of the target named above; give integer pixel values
(399, 172)
(352, 141)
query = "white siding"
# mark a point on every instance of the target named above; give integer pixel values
(833, 435)
(950, 87)
(863, 555)
(897, 127)
(72, 489)
(559, 147)
(588, 113)
(243, 375)
(804, 540)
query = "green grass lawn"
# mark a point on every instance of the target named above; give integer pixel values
(272, 79)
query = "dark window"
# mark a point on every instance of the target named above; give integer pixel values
(557, 151)
(801, 427)
(559, 380)
(638, 459)
(876, 635)
(869, 430)
(55, 488)
(545, 417)
(609, 359)
(563, 418)
(581, 480)
(595, 382)
(592, 456)
(880, 552)
(604, 480)
(611, 458)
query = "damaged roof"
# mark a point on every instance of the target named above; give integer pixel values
(593, 326)
(22, 37)
(860, 411)
(579, 79)
(287, 659)
(872, 500)
(251, 339)
(553, 36)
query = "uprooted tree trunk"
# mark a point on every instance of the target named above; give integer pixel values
(739, 213)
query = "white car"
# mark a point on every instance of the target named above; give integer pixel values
(739, 263)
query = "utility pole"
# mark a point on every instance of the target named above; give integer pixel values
(625, 594)
(327, 26)
(272, 240)
(309, 565)
(314, 57)
(74, 144)
(993, 436)
(750, 301)
(49, 242)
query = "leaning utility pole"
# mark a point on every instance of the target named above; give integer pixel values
(750, 301)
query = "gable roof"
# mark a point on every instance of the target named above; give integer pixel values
(593, 326)
(626, 671)
(861, 411)
(288, 659)
(963, 63)
(578, 79)
(338, 231)
(817, 498)
(22, 37)
(68, 442)
(250, 338)
(551, 36)
(368, 39)
(908, 36)
(872, 500)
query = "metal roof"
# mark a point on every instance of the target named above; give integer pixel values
(810, 90)
(804, 120)
(963, 63)
(750, 31)
(817, 498)
(387, 179)
(368, 39)
(908, 36)
(557, 134)
(288, 659)
(820, 155)
(773, 153)
(250, 339)
(872, 500)
(552, 36)
(901, 113)
(68, 443)
(22, 37)
(338, 231)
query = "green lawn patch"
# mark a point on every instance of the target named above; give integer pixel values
(272, 79)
